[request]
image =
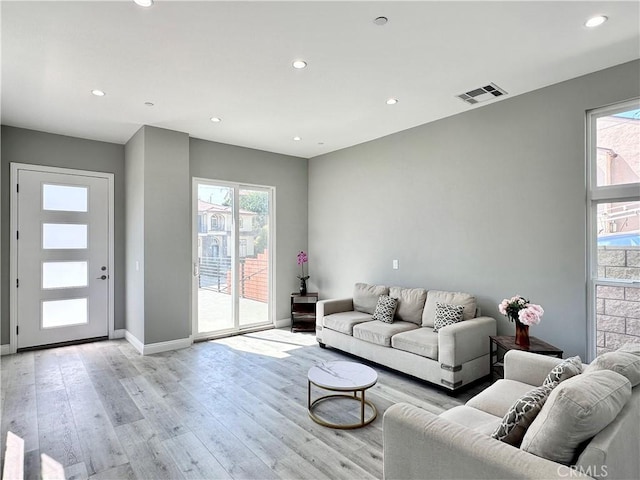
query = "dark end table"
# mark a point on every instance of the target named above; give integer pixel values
(303, 312)
(501, 344)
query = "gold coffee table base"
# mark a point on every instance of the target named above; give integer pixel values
(349, 426)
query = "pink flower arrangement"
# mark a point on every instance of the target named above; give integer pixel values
(519, 308)
(302, 259)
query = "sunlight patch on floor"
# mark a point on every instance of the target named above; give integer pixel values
(270, 343)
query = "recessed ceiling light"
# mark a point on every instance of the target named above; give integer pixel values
(149, 104)
(380, 20)
(216, 119)
(98, 93)
(392, 101)
(299, 64)
(595, 21)
(297, 139)
(144, 3)
(320, 143)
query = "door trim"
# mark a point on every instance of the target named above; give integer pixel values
(13, 268)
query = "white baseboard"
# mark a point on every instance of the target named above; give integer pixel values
(119, 333)
(158, 347)
(285, 322)
(5, 349)
(167, 346)
(137, 344)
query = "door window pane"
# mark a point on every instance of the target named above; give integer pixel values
(64, 236)
(617, 147)
(62, 313)
(64, 274)
(254, 257)
(215, 247)
(64, 198)
(618, 240)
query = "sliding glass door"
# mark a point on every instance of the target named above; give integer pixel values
(232, 263)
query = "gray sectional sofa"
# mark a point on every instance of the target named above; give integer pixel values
(452, 357)
(591, 419)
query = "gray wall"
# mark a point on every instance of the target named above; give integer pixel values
(491, 201)
(167, 235)
(158, 235)
(39, 148)
(134, 188)
(289, 176)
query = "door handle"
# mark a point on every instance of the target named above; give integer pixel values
(102, 277)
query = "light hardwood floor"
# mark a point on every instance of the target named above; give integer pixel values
(230, 408)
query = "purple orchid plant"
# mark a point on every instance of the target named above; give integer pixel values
(302, 259)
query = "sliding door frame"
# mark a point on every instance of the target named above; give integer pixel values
(237, 328)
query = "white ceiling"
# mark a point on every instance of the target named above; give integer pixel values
(195, 60)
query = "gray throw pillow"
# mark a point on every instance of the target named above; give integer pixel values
(447, 314)
(576, 410)
(565, 369)
(385, 309)
(521, 414)
(623, 361)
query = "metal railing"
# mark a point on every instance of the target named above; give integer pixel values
(215, 274)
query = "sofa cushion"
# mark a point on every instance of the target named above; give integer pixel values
(447, 314)
(622, 361)
(477, 420)
(380, 333)
(343, 322)
(410, 303)
(521, 414)
(385, 309)
(454, 298)
(576, 410)
(498, 398)
(565, 369)
(422, 341)
(365, 296)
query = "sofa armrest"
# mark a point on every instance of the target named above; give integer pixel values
(527, 367)
(421, 445)
(327, 307)
(333, 305)
(464, 341)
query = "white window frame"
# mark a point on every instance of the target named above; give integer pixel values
(235, 247)
(595, 196)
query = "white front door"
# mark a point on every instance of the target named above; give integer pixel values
(62, 247)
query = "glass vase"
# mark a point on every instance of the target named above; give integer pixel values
(303, 286)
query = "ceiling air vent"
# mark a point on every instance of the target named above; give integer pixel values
(482, 94)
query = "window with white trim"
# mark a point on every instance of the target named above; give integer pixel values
(613, 196)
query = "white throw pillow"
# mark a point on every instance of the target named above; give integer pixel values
(624, 361)
(575, 411)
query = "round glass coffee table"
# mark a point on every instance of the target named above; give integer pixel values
(342, 377)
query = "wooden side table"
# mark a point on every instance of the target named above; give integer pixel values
(504, 343)
(303, 312)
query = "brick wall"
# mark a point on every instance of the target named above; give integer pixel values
(617, 308)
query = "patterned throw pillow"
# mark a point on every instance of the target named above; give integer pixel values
(521, 414)
(385, 309)
(565, 369)
(447, 314)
